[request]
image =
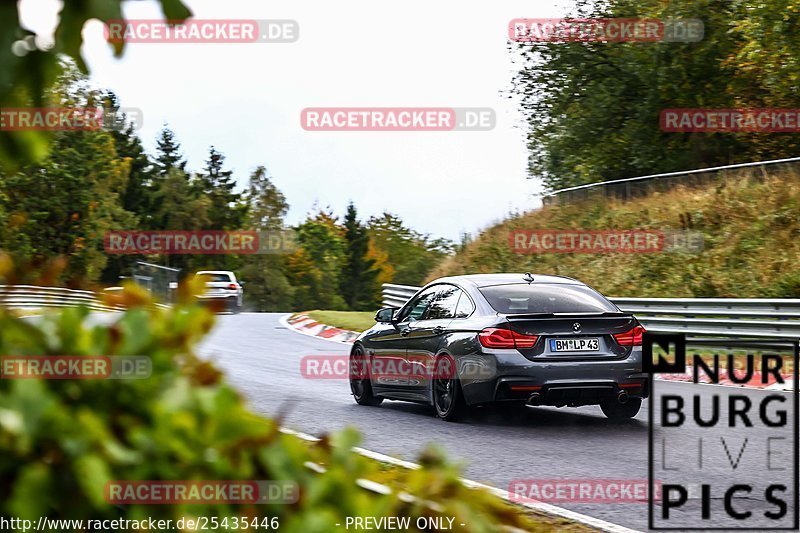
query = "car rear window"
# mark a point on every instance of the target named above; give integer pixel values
(541, 298)
(210, 278)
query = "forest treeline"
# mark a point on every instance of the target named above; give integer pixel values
(98, 180)
(592, 109)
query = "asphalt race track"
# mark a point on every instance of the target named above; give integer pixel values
(262, 359)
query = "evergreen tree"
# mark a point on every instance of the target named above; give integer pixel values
(266, 203)
(169, 154)
(358, 283)
(137, 197)
(168, 161)
(180, 207)
(268, 288)
(227, 210)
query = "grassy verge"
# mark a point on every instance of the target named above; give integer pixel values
(750, 228)
(509, 516)
(352, 320)
(518, 516)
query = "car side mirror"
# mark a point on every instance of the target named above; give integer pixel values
(385, 315)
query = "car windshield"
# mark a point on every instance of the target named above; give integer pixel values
(523, 298)
(211, 278)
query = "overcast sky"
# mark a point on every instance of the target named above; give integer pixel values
(246, 100)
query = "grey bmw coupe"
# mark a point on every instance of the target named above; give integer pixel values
(472, 340)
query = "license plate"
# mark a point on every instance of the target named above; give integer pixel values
(591, 344)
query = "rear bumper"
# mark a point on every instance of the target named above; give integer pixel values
(217, 296)
(578, 382)
(228, 301)
(571, 394)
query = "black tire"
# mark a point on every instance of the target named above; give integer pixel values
(360, 385)
(621, 411)
(448, 399)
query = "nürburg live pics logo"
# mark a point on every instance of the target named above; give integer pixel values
(725, 457)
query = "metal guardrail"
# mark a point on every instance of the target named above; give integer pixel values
(33, 297)
(627, 188)
(397, 295)
(707, 320)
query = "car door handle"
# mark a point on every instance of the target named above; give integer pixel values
(405, 332)
(438, 330)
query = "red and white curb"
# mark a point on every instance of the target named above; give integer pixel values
(308, 326)
(541, 507)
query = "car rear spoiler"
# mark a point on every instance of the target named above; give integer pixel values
(524, 316)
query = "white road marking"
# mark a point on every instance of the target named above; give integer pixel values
(500, 493)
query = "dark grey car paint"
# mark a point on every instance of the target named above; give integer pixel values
(482, 371)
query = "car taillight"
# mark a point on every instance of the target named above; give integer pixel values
(632, 337)
(505, 338)
(524, 341)
(232, 286)
(496, 338)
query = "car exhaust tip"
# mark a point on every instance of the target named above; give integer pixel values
(622, 397)
(534, 400)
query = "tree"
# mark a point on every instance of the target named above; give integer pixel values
(593, 108)
(268, 288)
(168, 161)
(315, 268)
(29, 71)
(227, 211)
(65, 205)
(412, 255)
(180, 207)
(266, 203)
(380, 259)
(138, 195)
(168, 151)
(358, 283)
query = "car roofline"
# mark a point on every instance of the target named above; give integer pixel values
(579, 284)
(473, 282)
